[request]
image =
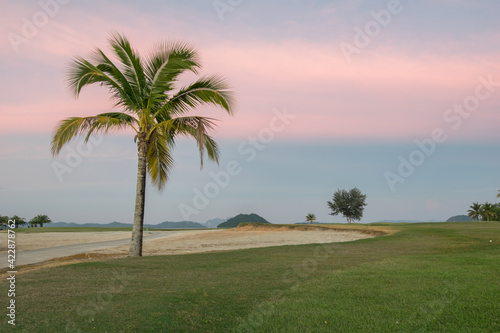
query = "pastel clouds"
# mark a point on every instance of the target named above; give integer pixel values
(387, 92)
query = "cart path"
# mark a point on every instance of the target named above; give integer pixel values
(34, 256)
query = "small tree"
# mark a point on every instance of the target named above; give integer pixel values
(311, 218)
(475, 211)
(348, 203)
(40, 220)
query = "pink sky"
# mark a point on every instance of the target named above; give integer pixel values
(398, 94)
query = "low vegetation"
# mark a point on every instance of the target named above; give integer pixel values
(426, 277)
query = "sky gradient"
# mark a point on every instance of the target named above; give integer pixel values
(398, 98)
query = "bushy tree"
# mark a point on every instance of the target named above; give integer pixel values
(348, 203)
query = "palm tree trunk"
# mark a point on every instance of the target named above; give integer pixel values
(140, 196)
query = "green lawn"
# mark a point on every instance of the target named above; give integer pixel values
(432, 277)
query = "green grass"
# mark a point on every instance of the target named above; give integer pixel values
(432, 277)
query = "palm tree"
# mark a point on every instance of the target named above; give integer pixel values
(40, 220)
(498, 194)
(143, 90)
(475, 211)
(488, 212)
(19, 221)
(4, 222)
(311, 218)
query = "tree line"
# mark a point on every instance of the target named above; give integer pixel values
(485, 212)
(19, 222)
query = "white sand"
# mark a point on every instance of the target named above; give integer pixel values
(187, 241)
(198, 241)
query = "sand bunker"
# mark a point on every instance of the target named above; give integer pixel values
(196, 241)
(184, 242)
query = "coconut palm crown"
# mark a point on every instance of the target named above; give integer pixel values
(310, 217)
(475, 211)
(148, 102)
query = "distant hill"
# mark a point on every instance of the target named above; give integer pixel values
(177, 225)
(242, 218)
(89, 225)
(459, 218)
(163, 225)
(213, 223)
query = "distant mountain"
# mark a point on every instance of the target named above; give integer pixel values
(459, 218)
(163, 225)
(213, 223)
(178, 225)
(242, 218)
(89, 225)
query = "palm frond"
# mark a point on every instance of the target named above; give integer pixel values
(129, 96)
(69, 128)
(165, 64)
(133, 69)
(196, 127)
(206, 90)
(82, 73)
(159, 158)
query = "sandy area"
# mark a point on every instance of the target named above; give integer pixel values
(29, 241)
(183, 242)
(189, 241)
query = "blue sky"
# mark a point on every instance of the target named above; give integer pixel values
(353, 118)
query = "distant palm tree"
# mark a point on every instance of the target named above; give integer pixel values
(488, 212)
(311, 218)
(498, 194)
(19, 221)
(157, 113)
(40, 220)
(475, 211)
(4, 222)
